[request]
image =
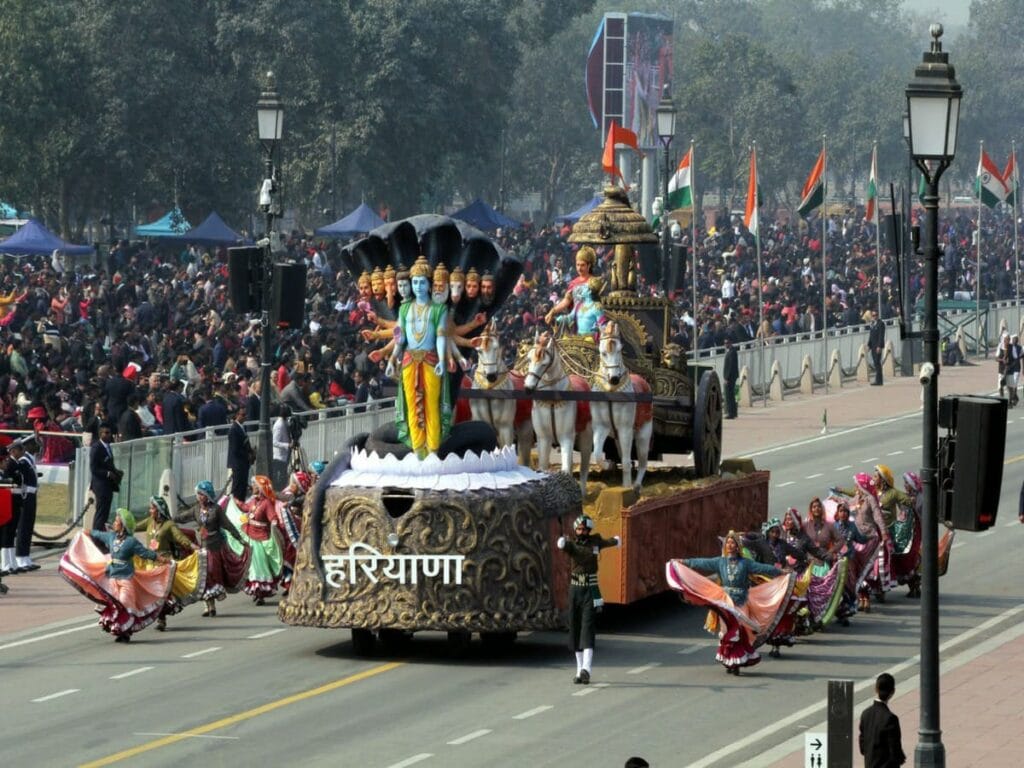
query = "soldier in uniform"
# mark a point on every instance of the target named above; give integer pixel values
(20, 451)
(583, 592)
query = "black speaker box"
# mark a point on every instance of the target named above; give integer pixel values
(245, 278)
(889, 232)
(977, 465)
(679, 260)
(288, 296)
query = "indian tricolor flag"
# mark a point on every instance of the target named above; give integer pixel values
(871, 205)
(813, 193)
(989, 186)
(753, 195)
(680, 189)
(1011, 177)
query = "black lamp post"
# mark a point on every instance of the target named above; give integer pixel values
(269, 119)
(933, 101)
(666, 132)
(907, 308)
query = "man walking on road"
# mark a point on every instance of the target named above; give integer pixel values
(876, 342)
(880, 739)
(730, 373)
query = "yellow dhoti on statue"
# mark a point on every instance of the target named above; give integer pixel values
(421, 388)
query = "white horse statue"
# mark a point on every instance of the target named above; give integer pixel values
(510, 418)
(631, 424)
(563, 421)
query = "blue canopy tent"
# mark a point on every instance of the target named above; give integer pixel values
(579, 213)
(213, 231)
(34, 239)
(170, 224)
(482, 216)
(362, 220)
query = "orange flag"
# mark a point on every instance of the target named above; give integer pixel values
(616, 135)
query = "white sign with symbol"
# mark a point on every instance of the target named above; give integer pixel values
(816, 750)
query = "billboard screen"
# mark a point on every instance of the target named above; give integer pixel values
(628, 66)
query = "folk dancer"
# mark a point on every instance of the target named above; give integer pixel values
(584, 596)
(868, 517)
(130, 599)
(258, 520)
(746, 615)
(225, 570)
(166, 538)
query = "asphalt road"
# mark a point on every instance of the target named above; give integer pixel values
(243, 689)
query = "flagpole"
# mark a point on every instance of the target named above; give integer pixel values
(824, 246)
(1016, 257)
(693, 255)
(977, 262)
(760, 281)
(878, 218)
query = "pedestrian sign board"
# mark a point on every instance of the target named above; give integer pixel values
(815, 750)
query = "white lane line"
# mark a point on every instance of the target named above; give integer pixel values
(915, 447)
(412, 760)
(989, 532)
(644, 668)
(188, 735)
(591, 689)
(532, 712)
(811, 477)
(468, 737)
(958, 545)
(692, 649)
(61, 633)
(868, 461)
(1012, 523)
(56, 695)
(268, 633)
(845, 466)
(123, 675)
(201, 653)
(783, 485)
(894, 453)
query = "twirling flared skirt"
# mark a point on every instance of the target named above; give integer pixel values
(127, 605)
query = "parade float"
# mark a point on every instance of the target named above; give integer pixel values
(431, 524)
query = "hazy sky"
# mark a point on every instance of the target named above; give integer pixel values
(953, 12)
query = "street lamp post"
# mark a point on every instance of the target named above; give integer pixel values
(269, 119)
(907, 308)
(666, 132)
(933, 101)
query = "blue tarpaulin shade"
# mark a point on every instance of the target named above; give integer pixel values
(170, 224)
(213, 231)
(579, 213)
(482, 216)
(35, 239)
(360, 221)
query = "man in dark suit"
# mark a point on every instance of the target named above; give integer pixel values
(175, 419)
(876, 343)
(240, 456)
(880, 739)
(730, 373)
(105, 478)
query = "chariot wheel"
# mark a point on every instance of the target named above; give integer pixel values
(707, 425)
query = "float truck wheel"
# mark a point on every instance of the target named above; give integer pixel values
(707, 425)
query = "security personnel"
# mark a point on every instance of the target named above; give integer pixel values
(583, 549)
(26, 463)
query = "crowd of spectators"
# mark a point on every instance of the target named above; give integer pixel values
(147, 340)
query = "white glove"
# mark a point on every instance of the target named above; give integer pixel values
(561, 542)
(617, 540)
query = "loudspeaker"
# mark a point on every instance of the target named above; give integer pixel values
(976, 463)
(678, 261)
(288, 296)
(245, 278)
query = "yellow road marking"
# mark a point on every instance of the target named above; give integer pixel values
(1014, 459)
(241, 716)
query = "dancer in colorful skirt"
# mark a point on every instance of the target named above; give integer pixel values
(225, 570)
(746, 615)
(165, 538)
(828, 575)
(257, 519)
(900, 529)
(131, 599)
(850, 535)
(289, 511)
(905, 531)
(771, 548)
(584, 595)
(868, 517)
